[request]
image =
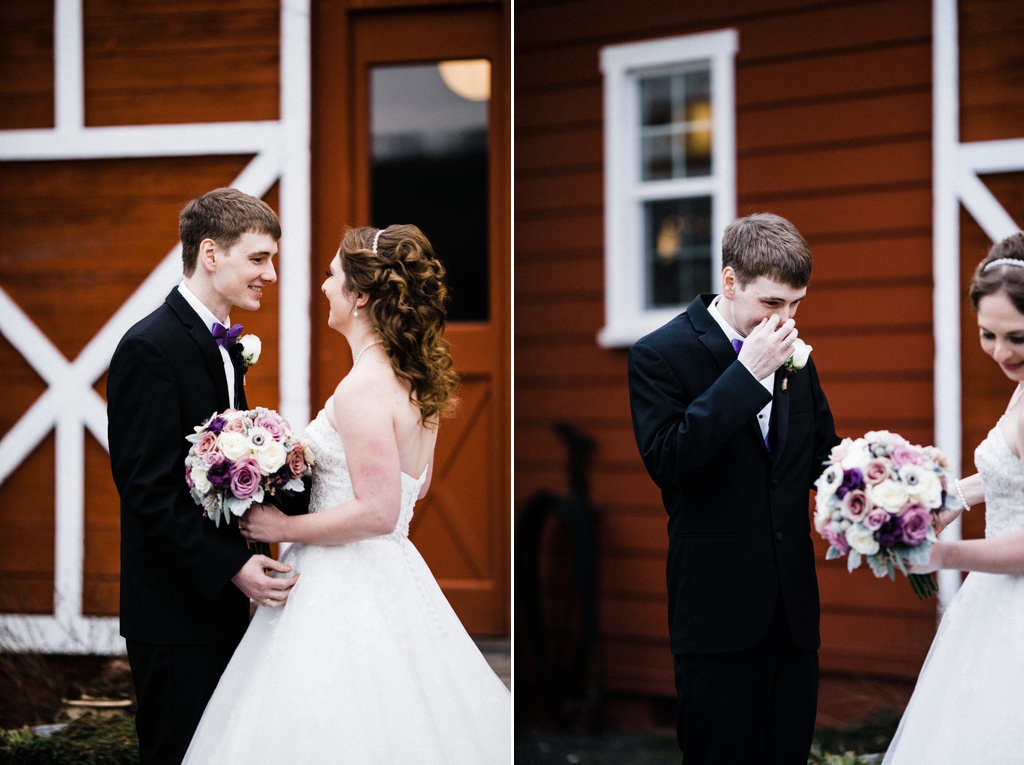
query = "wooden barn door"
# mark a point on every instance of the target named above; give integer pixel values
(412, 127)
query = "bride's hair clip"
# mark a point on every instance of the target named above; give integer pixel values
(377, 236)
(1003, 262)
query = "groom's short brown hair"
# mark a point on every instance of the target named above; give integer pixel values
(764, 244)
(222, 215)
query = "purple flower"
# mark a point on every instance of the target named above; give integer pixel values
(219, 475)
(216, 425)
(853, 480)
(915, 520)
(245, 478)
(891, 533)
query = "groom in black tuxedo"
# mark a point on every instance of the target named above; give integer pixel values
(735, 441)
(185, 583)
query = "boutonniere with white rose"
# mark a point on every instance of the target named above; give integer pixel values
(796, 362)
(250, 347)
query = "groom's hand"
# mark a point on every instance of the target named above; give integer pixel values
(254, 580)
(768, 346)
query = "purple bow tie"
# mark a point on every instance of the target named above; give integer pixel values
(737, 343)
(225, 337)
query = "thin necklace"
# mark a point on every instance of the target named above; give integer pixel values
(362, 351)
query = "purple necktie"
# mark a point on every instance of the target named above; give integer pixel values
(225, 337)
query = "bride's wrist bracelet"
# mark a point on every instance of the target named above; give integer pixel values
(960, 494)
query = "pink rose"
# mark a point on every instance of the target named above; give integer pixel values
(915, 520)
(905, 454)
(273, 425)
(237, 425)
(213, 458)
(855, 505)
(245, 478)
(876, 471)
(297, 460)
(875, 519)
(206, 443)
(836, 538)
(188, 477)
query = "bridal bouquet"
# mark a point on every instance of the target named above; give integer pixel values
(238, 457)
(875, 502)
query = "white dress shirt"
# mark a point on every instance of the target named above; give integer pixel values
(207, 316)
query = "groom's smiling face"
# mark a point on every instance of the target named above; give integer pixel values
(747, 305)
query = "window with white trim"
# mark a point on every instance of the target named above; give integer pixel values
(670, 176)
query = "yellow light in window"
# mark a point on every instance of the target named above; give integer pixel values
(467, 78)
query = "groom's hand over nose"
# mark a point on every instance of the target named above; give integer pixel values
(768, 346)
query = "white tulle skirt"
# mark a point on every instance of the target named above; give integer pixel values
(366, 663)
(968, 705)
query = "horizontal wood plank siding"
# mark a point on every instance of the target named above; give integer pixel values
(26, 65)
(166, 63)
(834, 132)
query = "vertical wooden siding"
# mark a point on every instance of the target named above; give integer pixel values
(833, 132)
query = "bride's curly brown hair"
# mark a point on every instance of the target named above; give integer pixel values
(405, 283)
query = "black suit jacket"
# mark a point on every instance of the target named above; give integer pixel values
(166, 377)
(739, 528)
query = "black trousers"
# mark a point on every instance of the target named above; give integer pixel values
(173, 683)
(754, 707)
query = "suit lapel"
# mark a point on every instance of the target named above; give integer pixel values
(718, 345)
(204, 341)
(711, 335)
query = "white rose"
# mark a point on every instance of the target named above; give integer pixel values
(233, 445)
(889, 494)
(200, 481)
(270, 457)
(801, 352)
(862, 540)
(922, 485)
(252, 346)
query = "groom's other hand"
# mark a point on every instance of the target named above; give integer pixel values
(768, 346)
(255, 580)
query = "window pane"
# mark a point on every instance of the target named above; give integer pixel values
(675, 129)
(429, 168)
(655, 95)
(677, 243)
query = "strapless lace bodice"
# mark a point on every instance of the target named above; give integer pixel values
(1004, 485)
(332, 483)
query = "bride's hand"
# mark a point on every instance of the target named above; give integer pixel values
(263, 523)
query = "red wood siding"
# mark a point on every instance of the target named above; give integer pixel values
(181, 61)
(26, 65)
(834, 133)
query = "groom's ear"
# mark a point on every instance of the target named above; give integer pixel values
(208, 251)
(728, 283)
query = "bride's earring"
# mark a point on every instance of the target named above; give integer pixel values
(355, 311)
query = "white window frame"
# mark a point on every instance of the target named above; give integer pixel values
(626, 317)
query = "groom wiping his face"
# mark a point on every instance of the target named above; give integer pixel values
(734, 440)
(185, 582)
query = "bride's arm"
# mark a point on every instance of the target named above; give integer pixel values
(1001, 555)
(362, 413)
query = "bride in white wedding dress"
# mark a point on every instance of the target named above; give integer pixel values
(968, 705)
(366, 663)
